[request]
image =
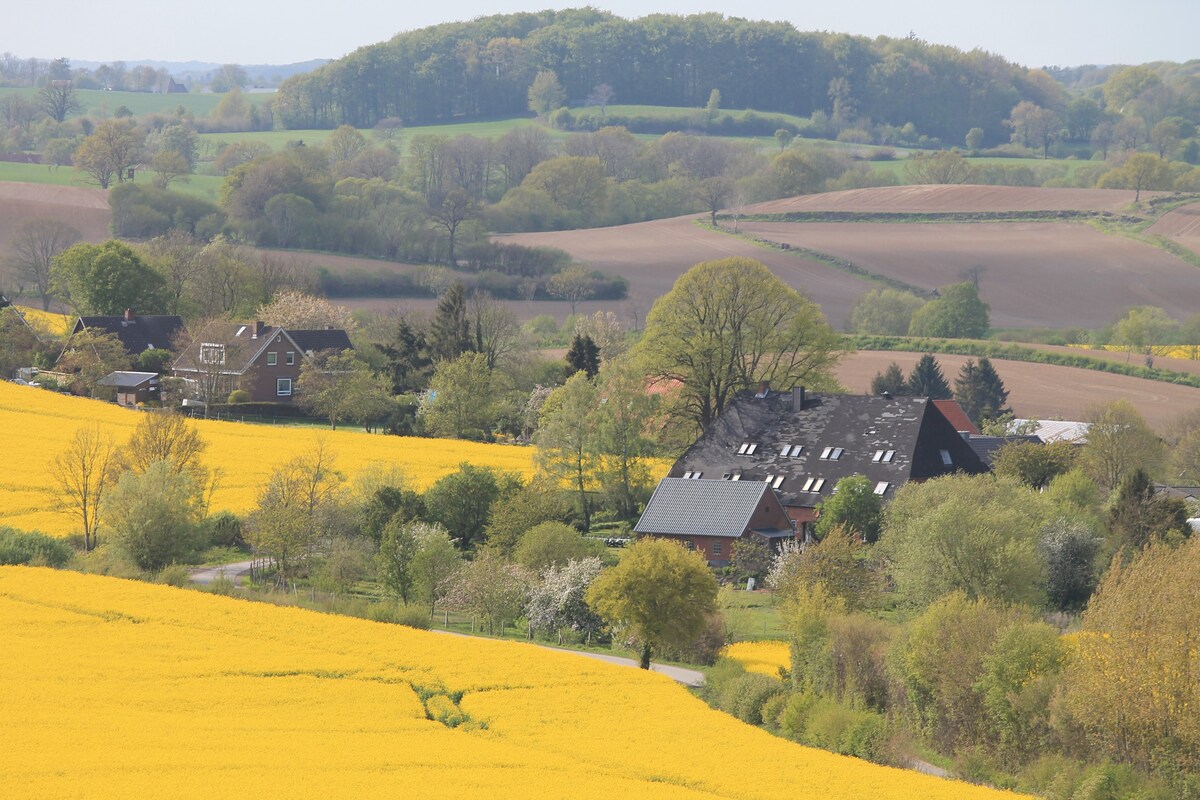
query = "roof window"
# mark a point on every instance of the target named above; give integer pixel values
(690, 475)
(778, 481)
(791, 450)
(881, 487)
(946, 459)
(883, 456)
(813, 485)
(732, 476)
(747, 448)
(831, 453)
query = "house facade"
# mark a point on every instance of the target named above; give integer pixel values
(801, 445)
(262, 360)
(714, 517)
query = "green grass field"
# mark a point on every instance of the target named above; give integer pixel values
(205, 186)
(97, 102)
(896, 167)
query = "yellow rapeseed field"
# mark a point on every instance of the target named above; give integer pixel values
(56, 324)
(762, 657)
(35, 425)
(120, 689)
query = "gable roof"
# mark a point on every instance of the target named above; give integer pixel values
(138, 333)
(315, 341)
(953, 412)
(986, 447)
(687, 507)
(127, 379)
(890, 440)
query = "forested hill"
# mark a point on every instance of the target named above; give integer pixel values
(483, 68)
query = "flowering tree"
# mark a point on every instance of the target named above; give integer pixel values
(556, 603)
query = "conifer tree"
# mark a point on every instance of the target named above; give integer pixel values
(891, 381)
(980, 392)
(450, 335)
(927, 380)
(584, 356)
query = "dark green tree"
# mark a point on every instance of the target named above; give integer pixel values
(980, 392)
(408, 360)
(957, 313)
(1140, 515)
(891, 381)
(927, 380)
(450, 334)
(1069, 549)
(462, 501)
(107, 278)
(584, 356)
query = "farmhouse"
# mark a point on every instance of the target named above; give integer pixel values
(713, 517)
(801, 445)
(260, 359)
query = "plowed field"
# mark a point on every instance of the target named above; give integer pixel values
(934, 199)
(86, 209)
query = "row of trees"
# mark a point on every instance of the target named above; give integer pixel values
(978, 387)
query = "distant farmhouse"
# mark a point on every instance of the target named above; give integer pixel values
(137, 332)
(260, 359)
(800, 445)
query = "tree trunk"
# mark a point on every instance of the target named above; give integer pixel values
(645, 662)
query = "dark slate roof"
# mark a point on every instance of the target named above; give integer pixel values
(864, 427)
(316, 341)
(686, 507)
(139, 333)
(127, 379)
(1181, 492)
(986, 447)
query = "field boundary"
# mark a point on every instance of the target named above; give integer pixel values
(1014, 352)
(931, 217)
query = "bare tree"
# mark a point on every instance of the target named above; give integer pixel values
(449, 212)
(496, 331)
(210, 360)
(83, 473)
(573, 284)
(58, 100)
(33, 247)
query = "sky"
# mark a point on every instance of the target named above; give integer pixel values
(1030, 32)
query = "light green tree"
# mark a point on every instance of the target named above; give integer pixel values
(1118, 442)
(1140, 172)
(727, 325)
(154, 516)
(545, 93)
(553, 544)
(886, 312)
(1142, 329)
(957, 313)
(659, 593)
(460, 400)
(853, 506)
(394, 561)
(567, 439)
(434, 565)
(623, 423)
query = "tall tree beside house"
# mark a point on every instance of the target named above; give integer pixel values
(728, 325)
(567, 439)
(107, 279)
(854, 507)
(301, 311)
(583, 356)
(339, 386)
(90, 355)
(1139, 515)
(461, 398)
(660, 594)
(450, 332)
(623, 419)
(1118, 442)
(927, 380)
(980, 391)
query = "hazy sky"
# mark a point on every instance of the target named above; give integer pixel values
(1030, 32)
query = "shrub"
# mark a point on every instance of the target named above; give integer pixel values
(174, 575)
(224, 529)
(745, 696)
(33, 548)
(722, 673)
(772, 709)
(396, 614)
(239, 396)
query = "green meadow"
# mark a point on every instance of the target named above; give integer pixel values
(100, 103)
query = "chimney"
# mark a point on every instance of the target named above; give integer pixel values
(257, 328)
(128, 315)
(797, 398)
(764, 389)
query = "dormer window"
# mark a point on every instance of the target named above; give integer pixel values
(747, 448)
(946, 459)
(883, 456)
(831, 453)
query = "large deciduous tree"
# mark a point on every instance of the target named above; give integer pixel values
(660, 594)
(1118, 442)
(566, 439)
(957, 313)
(33, 247)
(107, 278)
(83, 473)
(728, 325)
(114, 146)
(461, 398)
(155, 515)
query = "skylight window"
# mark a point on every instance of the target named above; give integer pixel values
(731, 476)
(813, 485)
(747, 448)
(881, 487)
(946, 459)
(832, 453)
(690, 475)
(786, 451)
(883, 456)
(778, 481)
(818, 485)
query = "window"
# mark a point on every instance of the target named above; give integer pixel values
(716, 548)
(747, 448)
(813, 485)
(791, 451)
(787, 449)
(832, 453)
(732, 476)
(881, 487)
(211, 353)
(946, 459)
(808, 484)
(291, 357)
(690, 475)
(272, 359)
(797, 449)
(283, 387)
(817, 486)
(883, 456)
(689, 544)
(778, 481)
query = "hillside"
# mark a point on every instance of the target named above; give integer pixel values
(244, 454)
(84, 208)
(120, 689)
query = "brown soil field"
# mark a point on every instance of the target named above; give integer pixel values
(651, 255)
(933, 199)
(1181, 225)
(1035, 273)
(86, 209)
(1043, 391)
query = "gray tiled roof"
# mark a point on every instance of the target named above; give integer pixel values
(986, 447)
(688, 507)
(126, 378)
(314, 341)
(862, 426)
(139, 333)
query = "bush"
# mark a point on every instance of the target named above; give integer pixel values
(772, 710)
(174, 575)
(745, 696)
(397, 614)
(821, 722)
(239, 396)
(33, 548)
(224, 529)
(722, 673)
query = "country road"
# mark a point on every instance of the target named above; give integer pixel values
(233, 572)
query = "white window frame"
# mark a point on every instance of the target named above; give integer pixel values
(808, 484)
(279, 384)
(881, 488)
(832, 453)
(291, 358)
(818, 485)
(778, 481)
(716, 548)
(272, 359)
(212, 353)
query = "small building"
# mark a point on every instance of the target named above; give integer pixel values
(802, 444)
(133, 388)
(713, 517)
(260, 359)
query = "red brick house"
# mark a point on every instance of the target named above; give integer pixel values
(714, 516)
(260, 359)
